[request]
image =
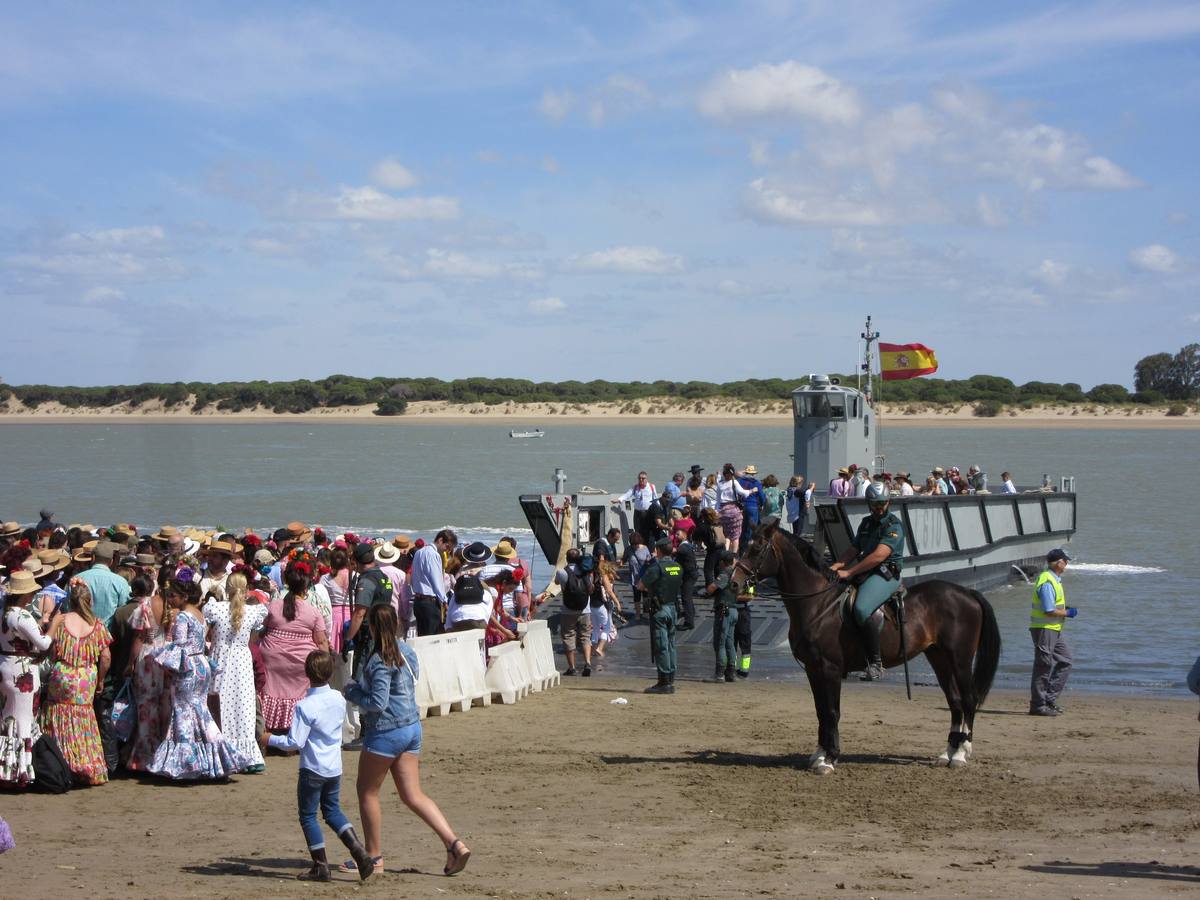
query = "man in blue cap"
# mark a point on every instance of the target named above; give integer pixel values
(1051, 656)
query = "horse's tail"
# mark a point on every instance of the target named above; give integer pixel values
(987, 657)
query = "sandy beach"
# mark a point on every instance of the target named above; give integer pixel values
(701, 413)
(698, 795)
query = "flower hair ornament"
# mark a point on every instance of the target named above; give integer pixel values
(185, 574)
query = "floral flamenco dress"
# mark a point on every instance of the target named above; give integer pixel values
(149, 690)
(67, 713)
(20, 639)
(194, 747)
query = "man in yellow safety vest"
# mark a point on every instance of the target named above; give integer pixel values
(1051, 656)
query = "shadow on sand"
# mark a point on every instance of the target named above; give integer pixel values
(1153, 870)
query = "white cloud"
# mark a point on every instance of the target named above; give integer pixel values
(547, 306)
(619, 96)
(627, 260)
(367, 204)
(550, 165)
(451, 264)
(1154, 258)
(555, 105)
(770, 203)
(138, 236)
(989, 213)
(1051, 273)
(788, 89)
(101, 295)
(392, 174)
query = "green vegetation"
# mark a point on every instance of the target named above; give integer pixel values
(1161, 379)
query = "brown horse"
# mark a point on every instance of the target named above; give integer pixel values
(948, 623)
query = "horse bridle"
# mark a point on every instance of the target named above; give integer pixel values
(752, 574)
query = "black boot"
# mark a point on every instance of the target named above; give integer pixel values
(662, 687)
(868, 633)
(729, 672)
(362, 859)
(717, 677)
(320, 867)
(671, 682)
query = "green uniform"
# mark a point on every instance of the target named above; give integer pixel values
(874, 590)
(663, 580)
(725, 616)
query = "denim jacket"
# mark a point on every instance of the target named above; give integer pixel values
(385, 694)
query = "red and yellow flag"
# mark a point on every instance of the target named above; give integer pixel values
(906, 361)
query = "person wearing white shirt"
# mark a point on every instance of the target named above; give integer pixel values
(317, 733)
(642, 494)
(906, 488)
(1009, 487)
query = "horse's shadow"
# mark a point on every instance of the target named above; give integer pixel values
(760, 760)
(1154, 870)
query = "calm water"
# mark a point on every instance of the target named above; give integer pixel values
(1133, 578)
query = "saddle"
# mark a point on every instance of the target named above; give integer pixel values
(894, 604)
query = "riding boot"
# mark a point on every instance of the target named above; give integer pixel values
(320, 867)
(729, 671)
(362, 859)
(717, 676)
(869, 632)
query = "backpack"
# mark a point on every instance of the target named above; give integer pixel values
(576, 591)
(50, 771)
(468, 589)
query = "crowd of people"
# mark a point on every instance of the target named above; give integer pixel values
(180, 655)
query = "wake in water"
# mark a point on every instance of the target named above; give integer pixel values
(1116, 569)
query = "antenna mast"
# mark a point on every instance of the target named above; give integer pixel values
(869, 337)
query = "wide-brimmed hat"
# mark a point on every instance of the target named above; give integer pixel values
(8, 529)
(146, 559)
(937, 470)
(264, 557)
(504, 550)
(22, 582)
(402, 542)
(229, 548)
(750, 470)
(696, 470)
(900, 475)
(477, 553)
(191, 546)
(83, 555)
(55, 559)
(166, 533)
(843, 471)
(35, 567)
(386, 554)
(298, 532)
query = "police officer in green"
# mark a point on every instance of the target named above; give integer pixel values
(662, 581)
(725, 616)
(873, 560)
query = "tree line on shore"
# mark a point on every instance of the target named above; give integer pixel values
(1157, 382)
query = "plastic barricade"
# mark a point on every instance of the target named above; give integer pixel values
(507, 673)
(466, 648)
(438, 689)
(538, 649)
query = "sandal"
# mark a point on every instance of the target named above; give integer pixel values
(351, 867)
(459, 861)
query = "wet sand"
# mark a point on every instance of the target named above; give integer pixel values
(696, 795)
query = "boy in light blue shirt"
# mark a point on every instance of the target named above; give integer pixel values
(317, 733)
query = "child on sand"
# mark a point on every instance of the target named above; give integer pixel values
(317, 733)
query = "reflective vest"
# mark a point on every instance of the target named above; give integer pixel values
(1039, 619)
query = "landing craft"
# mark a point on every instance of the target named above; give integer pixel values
(978, 540)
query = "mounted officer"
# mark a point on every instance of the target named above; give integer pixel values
(873, 561)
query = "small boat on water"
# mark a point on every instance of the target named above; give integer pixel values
(536, 433)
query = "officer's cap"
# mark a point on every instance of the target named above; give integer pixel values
(1056, 554)
(663, 544)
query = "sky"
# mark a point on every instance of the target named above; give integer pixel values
(626, 191)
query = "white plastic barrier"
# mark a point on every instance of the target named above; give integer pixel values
(451, 672)
(507, 673)
(538, 650)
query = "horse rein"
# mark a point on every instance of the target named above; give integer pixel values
(831, 580)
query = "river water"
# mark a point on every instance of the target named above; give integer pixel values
(1132, 576)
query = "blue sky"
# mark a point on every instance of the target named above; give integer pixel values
(610, 190)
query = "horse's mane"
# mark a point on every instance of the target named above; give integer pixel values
(807, 552)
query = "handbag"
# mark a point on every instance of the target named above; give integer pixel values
(50, 771)
(124, 712)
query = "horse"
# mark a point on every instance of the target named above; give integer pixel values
(950, 624)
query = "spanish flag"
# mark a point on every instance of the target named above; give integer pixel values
(906, 361)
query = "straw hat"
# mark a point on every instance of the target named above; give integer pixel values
(504, 550)
(402, 542)
(227, 547)
(34, 567)
(298, 532)
(83, 555)
(166, 533)
(54, 558)
(387, 554)
(8, 529)
(751, 469)
(22, 582)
